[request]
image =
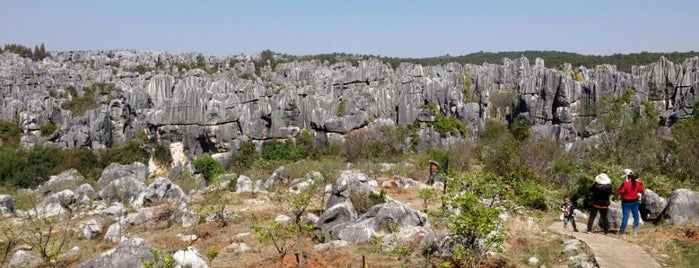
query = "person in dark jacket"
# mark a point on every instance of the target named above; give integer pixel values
(601, 190)
(568, 213)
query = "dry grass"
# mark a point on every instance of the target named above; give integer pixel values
(672, 246)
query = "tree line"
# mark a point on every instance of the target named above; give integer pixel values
(39, 52)
(552, 59)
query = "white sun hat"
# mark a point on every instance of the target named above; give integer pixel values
(627, 172)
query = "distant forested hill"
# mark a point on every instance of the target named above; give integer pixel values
(552, 59)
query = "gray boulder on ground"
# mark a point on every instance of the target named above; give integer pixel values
(652, 206)
(7, 205)
(163, 189)
(277, 176)
(68, 179)
(23, 258)
(683, 208)
(91, 228)
(243, 184)
(129, 253)
(348, 182)
(190, 257)
(55, 204)
(136, 170)
(84, 193)
(126, 190)
(113, 233)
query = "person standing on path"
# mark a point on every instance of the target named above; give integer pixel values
(630, 192)
(601, 190)
(568, 213)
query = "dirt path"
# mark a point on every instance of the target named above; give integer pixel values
(609, 250)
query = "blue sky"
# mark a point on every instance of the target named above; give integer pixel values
(404, 28)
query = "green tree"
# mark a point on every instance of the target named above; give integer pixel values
(473, 223)
(208, 166)
(246, 155)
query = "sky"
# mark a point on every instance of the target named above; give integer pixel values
(394, 28)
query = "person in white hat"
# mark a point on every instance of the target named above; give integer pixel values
(601, 190)
(630, 192)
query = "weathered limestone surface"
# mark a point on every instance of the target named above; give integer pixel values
(214, 111)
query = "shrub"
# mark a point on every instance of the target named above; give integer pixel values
(498, 150)
(445, 125)
(475, 225)
(9, 134)
(48, 128)
(28, 168)
(162, 154)
(208, 166)
(141, 69)
(78, 105)
(246, 76)
(246, 155)
(341, 109)
(277, 150)
(466, 82)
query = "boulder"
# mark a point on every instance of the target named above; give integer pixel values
(346, 183)
(190, 257)
(129, 253)
(136, 170)
(68, 179)
(126, 190)
(84, 193)
(244, 184)
(237, 248)
(683, 208)
(339, 222)
(114, 233)
(23, 258)
(276, 177)
(163, 189)
(652, 206)
(7, 205)
(115, 210)
(91, 228)
(56, 204)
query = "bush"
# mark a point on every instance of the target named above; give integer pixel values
(341, 109)
(162, 154)
(208, 166)
(277, 150)
(499, 150)
(474, 224)
(246, 155)
(28, 168)
(48, 128)
(9, 134)
(449, 125)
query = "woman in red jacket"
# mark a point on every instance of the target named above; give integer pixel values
(629, 191)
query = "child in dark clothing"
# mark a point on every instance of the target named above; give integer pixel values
(568, 213)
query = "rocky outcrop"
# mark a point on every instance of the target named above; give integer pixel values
(137, 170)
(129, 253)
(190, 257)
(23, 258)
(197, 111)
(55, 204)
(683, 208)
(7, 205)
(68, 179)
(652, 206)
(163, 189)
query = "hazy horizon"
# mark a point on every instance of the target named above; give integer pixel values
(403, 29)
